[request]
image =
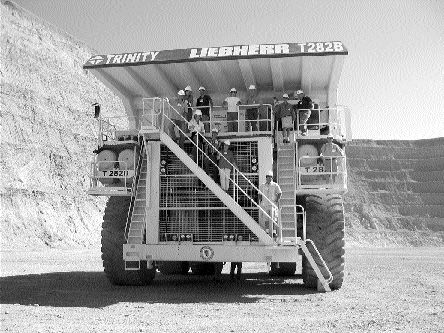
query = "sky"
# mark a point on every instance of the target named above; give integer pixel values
(393, 77)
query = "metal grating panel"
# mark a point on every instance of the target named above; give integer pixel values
(187, 206)
(206, 225)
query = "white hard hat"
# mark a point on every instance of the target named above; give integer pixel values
(269, 174)
(330, 136)
(252, 86)
(201, 88)
(285, 96)
(300, 91)
(233, 90)
(227, 142)
(198, 112)
(188, 88)
(181, 93)
(215, 130)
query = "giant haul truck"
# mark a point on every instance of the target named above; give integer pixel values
(167, 211)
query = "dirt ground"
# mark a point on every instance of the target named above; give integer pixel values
(385, 290)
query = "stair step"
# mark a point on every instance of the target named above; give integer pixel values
(135, 240)
(284, 202)
(137, 225)
(287, 210)
(139, 209)
(135, 232)
(287, 187)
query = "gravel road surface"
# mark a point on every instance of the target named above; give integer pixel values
(385, 290)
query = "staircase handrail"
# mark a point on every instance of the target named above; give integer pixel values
(234, 168)
(135, 185)
(330, 276)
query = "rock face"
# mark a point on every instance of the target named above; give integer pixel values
(396, 192)
(48, 134)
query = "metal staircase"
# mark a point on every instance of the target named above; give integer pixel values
(286, 180)
(288, 214)
(136, 215)
(216, 189)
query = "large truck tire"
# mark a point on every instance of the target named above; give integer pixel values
(325, 227)
(113, 238)
(173, 267)
(284, 269)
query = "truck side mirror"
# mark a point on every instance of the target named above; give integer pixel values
(96, 110)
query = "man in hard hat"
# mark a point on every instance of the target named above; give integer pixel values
(178, 116)
(269, 196)
(303, 108)
(226, 163)
(232, 103)
(204, 103)
(190, 100)
(285, 112)
(197, 131)
(330, 153)
(251, 113)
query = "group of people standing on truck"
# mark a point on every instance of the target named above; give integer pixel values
(287, 114)
(255, 111)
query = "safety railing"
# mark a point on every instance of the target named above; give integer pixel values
(299, 214)
(321, 171)
(135, 186)
(107, 176)
(196, 145)
(152, 109)
(321, 122)
(116, 129)
(246, 119)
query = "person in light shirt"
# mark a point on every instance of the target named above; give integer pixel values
(330, 152)
(272, 191)
(232, 103)
(197, 130)
(226, 163)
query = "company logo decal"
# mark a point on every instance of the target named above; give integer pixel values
(206, 253)
(96, 60)
(240, 50)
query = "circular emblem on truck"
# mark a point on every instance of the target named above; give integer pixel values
(206, 253)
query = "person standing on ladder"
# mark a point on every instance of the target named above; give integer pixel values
(197, 130)
(272, 191)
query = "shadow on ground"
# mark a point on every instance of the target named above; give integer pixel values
(93, 290)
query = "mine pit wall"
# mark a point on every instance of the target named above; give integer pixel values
(396, 188)
(396, 192)
(48, 135)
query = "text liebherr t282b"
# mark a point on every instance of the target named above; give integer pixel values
(170, 207)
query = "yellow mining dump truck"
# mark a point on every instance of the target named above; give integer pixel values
(173, 208)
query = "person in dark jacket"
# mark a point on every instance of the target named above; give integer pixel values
(303, 107)
(285, 112)
(204, 103)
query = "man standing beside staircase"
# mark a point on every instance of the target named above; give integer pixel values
(272, 191)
